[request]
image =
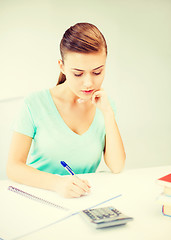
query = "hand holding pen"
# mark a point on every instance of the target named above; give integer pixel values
(72, 186)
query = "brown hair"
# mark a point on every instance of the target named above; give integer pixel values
(81, 38)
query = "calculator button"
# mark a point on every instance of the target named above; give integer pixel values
(116, 212)
(106, 215)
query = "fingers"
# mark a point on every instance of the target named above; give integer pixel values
(72, 186)
(87, 183)
(76, 191)
(80, 187)
(96, 95)
(83, 184)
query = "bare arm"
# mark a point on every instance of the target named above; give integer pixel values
(18, 171)
(114, 153)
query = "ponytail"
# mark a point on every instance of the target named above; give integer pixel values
(61, 78)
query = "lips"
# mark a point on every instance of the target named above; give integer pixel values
(87, 91)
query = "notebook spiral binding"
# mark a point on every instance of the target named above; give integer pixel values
(33, 197)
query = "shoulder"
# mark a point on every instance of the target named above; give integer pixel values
(36, 97)
(37, 101)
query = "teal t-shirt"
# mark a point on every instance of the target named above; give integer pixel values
(53, 141)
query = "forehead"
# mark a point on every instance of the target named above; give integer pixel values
(84, 61)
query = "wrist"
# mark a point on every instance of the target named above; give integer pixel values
(54, 182)
(108, 113)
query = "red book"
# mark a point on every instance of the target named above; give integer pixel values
(166, 182)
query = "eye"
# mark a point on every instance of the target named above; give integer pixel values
(78, 75)
(97, 73)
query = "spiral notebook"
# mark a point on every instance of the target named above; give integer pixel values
(35, 198)
(25, 210)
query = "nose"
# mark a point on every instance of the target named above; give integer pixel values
(87, 81)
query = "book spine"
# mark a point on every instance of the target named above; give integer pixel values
(167, 191)
(165, 213)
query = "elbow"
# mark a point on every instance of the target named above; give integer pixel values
(117, 170)
(9, 171)
(118, 167)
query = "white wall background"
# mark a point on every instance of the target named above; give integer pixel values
(138, 33)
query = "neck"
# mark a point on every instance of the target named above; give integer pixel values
(63, 92)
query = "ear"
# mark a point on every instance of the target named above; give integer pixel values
(61, 66)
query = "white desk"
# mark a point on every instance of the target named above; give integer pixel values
(139, 191)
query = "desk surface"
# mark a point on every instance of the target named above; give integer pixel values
(139, 192)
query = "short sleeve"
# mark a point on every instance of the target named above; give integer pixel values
(24, 123)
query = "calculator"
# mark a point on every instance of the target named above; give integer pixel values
(105, 217)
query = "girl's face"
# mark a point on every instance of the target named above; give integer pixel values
(84, 72)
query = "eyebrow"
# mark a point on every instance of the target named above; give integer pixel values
(83, 70)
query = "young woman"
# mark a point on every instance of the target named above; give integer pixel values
(72, 122)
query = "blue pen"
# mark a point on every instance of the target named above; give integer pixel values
(67, 167)
(69, 170)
